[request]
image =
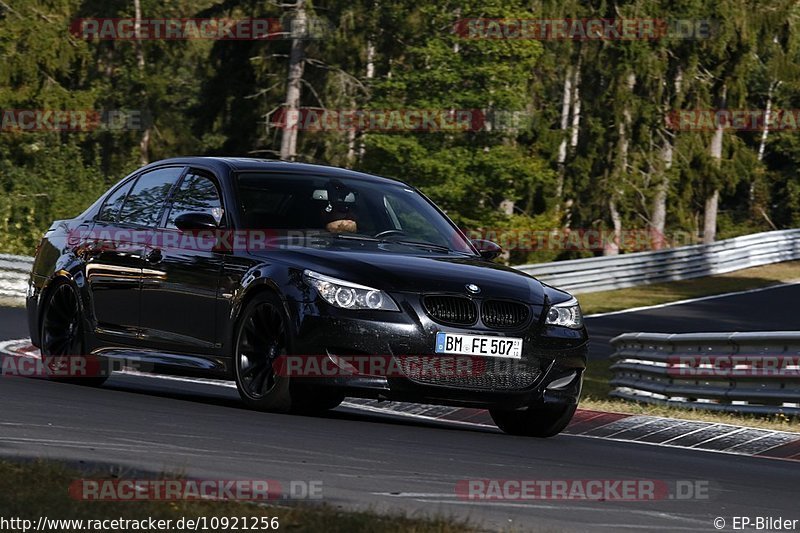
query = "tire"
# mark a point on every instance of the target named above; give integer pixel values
(310, 401)
(261, 336)
(534, 421)
(62, 337)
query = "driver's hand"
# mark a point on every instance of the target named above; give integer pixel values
(342, 226)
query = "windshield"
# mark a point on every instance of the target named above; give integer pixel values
(346, 208)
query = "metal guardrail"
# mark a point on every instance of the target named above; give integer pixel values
(14, 273)
(592, 274)
(641, 268)
(735, 372)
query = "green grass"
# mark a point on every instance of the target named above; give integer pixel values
(31, 490)
(595, 396)
(658, 293)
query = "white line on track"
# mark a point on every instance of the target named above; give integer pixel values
(379, 410)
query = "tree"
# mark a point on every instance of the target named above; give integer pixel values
(294, 81)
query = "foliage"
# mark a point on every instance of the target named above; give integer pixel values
(221, 97)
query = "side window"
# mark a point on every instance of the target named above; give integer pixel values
(112, 205)
(197, 194)
(147, 197)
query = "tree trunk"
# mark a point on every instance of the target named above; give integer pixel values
(765, 130)
(351, 145)
(712, 200)
(659, 218)
(137, 29)
(710, 218)
(293, 85)
(612, 248)
(370, 74)
(144, 140)
(762, 145)
(575, 102)
(623, 127)
(370, 60)
(576, 105)
(566, 100)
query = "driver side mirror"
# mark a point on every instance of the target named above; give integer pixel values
(195, 221)
(487, 249)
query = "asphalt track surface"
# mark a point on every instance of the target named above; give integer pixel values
(770, 309)
(387, 463)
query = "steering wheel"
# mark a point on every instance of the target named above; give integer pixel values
(388, 232)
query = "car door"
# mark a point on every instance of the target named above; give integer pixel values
(115, 257)
(181, 277)
(113, 270)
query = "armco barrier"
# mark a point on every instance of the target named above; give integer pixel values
(641, 268)
(588, 275)
(736, 372)
(14, 272)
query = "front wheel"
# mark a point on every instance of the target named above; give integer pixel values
(310, 400)
(261, 338)
(534, 421)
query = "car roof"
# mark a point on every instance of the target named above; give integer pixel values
(248, 164)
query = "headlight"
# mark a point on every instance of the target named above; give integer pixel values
(349, 295)
(567, 314)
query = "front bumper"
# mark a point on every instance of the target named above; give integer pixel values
(554, 358)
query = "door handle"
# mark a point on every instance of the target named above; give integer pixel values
(155, 256)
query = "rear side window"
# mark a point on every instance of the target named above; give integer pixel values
(197, 194)
(110, 209)
(146, 200)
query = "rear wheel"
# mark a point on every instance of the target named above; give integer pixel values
(534, 421)
(62, 339)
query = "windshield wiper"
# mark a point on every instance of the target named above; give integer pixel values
(422, 244)
(417, 244)
(353, 237)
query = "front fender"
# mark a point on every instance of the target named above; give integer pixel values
(284, 281)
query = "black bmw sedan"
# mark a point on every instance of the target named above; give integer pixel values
(304, 284)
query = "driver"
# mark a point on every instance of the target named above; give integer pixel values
(340, 222)
(339, 215)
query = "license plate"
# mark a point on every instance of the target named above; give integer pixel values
(485, 345)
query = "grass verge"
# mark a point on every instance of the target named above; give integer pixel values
(659, 293)
(595, 396)
(39, 489)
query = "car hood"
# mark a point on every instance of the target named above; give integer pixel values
(419, 273)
